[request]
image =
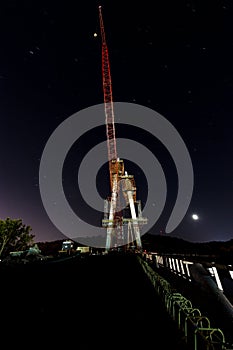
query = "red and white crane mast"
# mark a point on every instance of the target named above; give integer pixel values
(114, 219)
(108, 101)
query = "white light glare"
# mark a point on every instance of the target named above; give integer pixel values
(195, 217)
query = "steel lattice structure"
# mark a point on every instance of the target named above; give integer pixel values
(120, 182)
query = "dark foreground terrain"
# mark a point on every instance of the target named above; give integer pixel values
(83, 303)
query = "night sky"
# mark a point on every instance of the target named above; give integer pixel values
(175, 57)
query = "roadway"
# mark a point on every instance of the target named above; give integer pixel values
(96, 302)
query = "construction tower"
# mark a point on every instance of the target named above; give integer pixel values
(122, 211)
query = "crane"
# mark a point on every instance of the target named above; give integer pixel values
(114, 220)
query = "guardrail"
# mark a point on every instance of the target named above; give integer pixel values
(197, 331)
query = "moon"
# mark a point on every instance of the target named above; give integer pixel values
(195, 217)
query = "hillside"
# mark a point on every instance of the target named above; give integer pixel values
(173, 245)
(165, 244)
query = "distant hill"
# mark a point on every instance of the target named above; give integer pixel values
(173, 245)
(165, 244)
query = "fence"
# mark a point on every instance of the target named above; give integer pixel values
(197, 331)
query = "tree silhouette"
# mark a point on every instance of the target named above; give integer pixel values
(14, 236)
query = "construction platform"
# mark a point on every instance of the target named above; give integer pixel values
(85, 303)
